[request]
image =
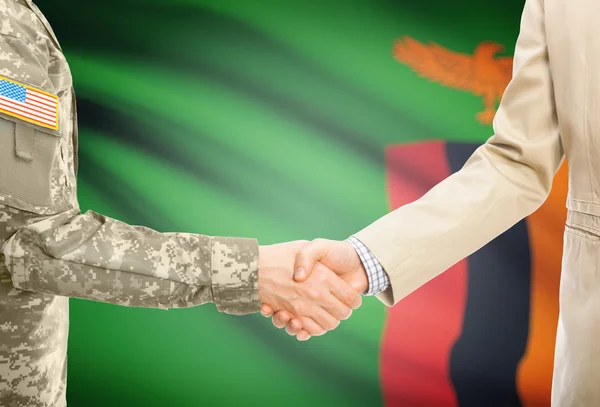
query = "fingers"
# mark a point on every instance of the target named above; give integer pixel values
(310, 328)
(266, 310)
(325, 298)
(315, 301)
(341, 298)
(344, 292)
(324, 318)
(303, 336)
(338, 309)
(303, 327)
(320, 303)
(281, 319)
(307, 257)
(294, 327)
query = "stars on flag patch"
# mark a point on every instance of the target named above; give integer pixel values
(28, 104)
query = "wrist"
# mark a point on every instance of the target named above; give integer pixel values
(362, 279)
(262, 271)
(359, 278)
(234, 269)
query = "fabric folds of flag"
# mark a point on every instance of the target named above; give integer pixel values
(482, 333)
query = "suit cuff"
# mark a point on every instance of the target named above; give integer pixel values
(376, 275)
(235, 275)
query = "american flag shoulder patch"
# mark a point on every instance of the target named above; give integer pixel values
(29, 104)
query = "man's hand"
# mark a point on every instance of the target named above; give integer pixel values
(317, 303)
(338, 256)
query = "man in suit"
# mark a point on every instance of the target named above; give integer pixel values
(548, 111)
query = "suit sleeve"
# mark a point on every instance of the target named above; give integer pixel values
(504, 181)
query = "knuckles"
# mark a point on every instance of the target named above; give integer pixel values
(351, 298)
(296, 325)
(298, 307)
(277, 324)
(291, 330)
(313, 294)
(282, 317)
(322, 277)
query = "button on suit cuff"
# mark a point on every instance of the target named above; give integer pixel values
(234, 269)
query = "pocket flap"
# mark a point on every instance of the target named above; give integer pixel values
(24, 140)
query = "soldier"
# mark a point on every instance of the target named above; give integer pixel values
(51, 251)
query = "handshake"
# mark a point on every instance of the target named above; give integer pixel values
(309, 287)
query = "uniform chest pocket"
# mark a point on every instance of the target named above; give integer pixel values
(27, 158)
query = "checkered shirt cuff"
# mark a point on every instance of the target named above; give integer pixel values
(378, 278)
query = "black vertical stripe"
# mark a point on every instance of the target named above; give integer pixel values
(484, 361)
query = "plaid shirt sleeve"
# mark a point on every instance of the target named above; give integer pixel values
(378, 278)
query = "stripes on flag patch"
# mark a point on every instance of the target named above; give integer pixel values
(28, 104)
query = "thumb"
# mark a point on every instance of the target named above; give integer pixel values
(307, 257)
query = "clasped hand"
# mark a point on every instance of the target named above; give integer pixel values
(309, 287)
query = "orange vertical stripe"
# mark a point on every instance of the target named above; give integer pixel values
(546, 226)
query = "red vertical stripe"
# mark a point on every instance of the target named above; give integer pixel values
(421, 330)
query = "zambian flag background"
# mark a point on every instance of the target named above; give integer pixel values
(286, 120)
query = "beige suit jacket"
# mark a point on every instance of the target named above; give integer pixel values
(550, 109)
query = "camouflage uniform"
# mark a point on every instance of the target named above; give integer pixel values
(51, 251)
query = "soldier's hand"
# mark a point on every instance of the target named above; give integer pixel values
(318, 304)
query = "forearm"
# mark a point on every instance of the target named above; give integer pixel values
(94, 257)
(419, 241)
(505, 180)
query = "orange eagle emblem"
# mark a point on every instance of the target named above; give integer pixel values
(482, 73)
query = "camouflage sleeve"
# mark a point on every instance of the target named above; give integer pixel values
(93, 257)
(64, 252)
